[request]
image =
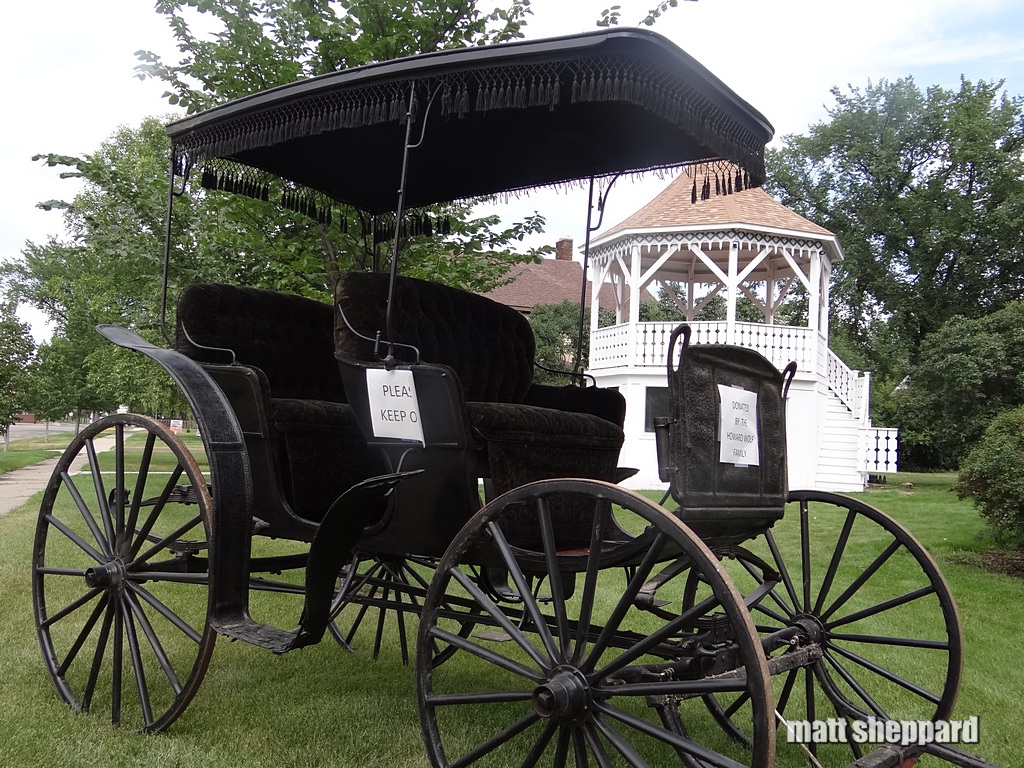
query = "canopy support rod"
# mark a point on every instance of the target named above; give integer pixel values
(577, 368)
(171, 194)
(400, 210)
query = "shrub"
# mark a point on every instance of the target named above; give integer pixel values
(993, 475)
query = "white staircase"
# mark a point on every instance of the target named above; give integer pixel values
(840, 456)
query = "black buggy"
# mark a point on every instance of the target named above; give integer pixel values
(561, 618)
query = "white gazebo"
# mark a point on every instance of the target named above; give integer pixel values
(740, 244)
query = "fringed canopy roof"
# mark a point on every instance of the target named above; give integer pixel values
(497, 118)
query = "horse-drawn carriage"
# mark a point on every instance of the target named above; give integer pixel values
(562, 618)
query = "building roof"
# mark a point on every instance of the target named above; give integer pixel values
(551, 281)
(674, 208)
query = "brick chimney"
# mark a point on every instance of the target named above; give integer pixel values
(563, 249)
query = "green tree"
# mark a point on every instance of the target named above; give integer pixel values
(925, 191)
(556, 330)
(16, 352)
(970, 370)
(993, 475)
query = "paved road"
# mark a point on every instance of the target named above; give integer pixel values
(19, 486)
(28, 431)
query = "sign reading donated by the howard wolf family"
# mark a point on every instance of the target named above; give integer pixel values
(737, 427)
(394, 408)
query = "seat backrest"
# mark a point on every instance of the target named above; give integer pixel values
(725, 455)
(289, 338)
(489, 346)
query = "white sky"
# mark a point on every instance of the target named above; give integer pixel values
(68, 75)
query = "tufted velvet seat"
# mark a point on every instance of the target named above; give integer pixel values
(286, 341)
(523, 431)
(527, 431)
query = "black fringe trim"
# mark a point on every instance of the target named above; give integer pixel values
(523, 86)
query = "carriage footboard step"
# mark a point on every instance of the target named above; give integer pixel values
(331, 549)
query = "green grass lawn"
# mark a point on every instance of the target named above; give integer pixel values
(323, 706)
(22, 453)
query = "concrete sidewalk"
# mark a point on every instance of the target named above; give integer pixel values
(20, 485)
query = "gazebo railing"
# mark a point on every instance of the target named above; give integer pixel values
(645, 345)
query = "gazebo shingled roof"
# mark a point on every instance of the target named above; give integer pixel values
(673, 209)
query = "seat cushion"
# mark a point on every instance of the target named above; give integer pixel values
(321, 452)
(525, 443)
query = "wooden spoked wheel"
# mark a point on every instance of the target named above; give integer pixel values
(379, 593)
(120, 574)
(584, 656)
(867, 626)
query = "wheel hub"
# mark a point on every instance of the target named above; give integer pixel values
(564, 697)
(109, 576)
(812, 626)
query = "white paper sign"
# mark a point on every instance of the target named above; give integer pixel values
(738, 427)
(394, 408)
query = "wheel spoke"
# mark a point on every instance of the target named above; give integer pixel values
(851, 681)
(885, 605)
(142, 533)
(71, 608)
(155, 644)
(102, 541)
(119, 492)
(887, 674)
(166, 612)
(83, 635)
(668, 737)
(486, 654)
(496, 741)
(638, 649)
(97, 658)
(622, 746)
(625, 602)
(536, 753)
(554, 577)
(76, 539)
(837, 556)
(861, 579)
(602, 511)
(140, 483)
(594, 741)
(101, 494)
(780, 564)
(163, 542)
(118, 661)
(906, 642)
(135, 654)
(496, 613)
(529, 602)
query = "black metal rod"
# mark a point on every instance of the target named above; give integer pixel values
(495, 612)
(625, 602)
(90, 521)
(78, 540)
(855, 586)
(886, 674)
(167, 252)
(837, 557)
(135, 652)
(97, 657)
(156, 645)
(154, 513)
(601, 510)
(82, 635)
(159, 606)
(72, 607)
(140, 483)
